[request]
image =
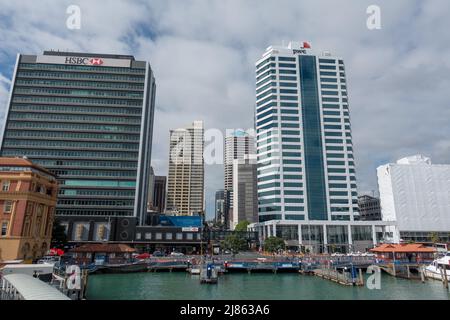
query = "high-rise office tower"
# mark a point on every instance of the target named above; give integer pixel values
(306, 169)
(245, 199)
(220, 206)
(88, 118)
(237, 144)
(159, 193)
(185, 185)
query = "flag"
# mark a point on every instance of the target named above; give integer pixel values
(306, 45)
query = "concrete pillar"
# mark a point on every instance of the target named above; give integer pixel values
(350, 240)
(300, 241)
(274, 226)
(325, 238)
(374, 235)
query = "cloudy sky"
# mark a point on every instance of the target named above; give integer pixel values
(203, 55)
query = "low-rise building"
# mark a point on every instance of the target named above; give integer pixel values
(369, 208)
(404, 252)
(28, 198)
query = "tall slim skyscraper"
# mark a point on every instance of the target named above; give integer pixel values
(237, 144)
(185, 186)
(159, 193)
(220, 206)
(306, 169)
(245, 199)
(89, 119)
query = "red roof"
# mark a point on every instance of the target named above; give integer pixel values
(104, 247)
(403, 247)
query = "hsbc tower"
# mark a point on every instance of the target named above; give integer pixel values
(89, 119)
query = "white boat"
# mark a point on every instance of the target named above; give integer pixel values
(433, 270)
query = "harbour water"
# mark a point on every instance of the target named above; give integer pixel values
(257, 286)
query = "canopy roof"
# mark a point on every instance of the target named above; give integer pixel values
(34, 289)
(403, 247)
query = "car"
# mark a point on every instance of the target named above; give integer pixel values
(158, 254)
(176, 254)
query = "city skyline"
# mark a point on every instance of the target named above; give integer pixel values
(199, 74)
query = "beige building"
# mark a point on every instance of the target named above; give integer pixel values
(185, 185)
(27, 207)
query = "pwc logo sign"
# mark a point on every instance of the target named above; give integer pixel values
(304, 46)
(84, 61)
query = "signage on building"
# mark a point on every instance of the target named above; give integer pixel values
(84, 61)
(189, 229)
(304, 46)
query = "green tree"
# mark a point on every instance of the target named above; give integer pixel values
(242, 225)
(59, 237)
(434, 237)
(234, 242)
(273, 244)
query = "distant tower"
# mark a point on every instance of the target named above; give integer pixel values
(237, 145)
(185, 191)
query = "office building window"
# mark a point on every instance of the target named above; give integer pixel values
(5, 186)
(179, 236)
(189, 236)
(148, 236)
(4, 228)
(158, 236)
(7, 206)
(168, 236)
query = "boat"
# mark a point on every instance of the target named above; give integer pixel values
(136, 266)
(433, 270)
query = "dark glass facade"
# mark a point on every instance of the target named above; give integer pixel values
(89, 119)
(313, 153)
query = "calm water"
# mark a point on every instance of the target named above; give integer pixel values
(258, 286)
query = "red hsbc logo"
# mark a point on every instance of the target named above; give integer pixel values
(84, 61)
(96, 61)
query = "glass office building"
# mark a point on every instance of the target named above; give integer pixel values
(89, 119)
(306, 170)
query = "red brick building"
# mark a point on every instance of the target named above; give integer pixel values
(28, 196)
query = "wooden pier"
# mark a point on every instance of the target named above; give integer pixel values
(343, 278)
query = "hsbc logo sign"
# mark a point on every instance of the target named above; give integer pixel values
(84, 61)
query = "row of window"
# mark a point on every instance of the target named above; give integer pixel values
(167, 236)
(77, 92)
(82, 76)
(88, 101)
(65, 67)
(71, 135)
(129, 111)
(71, 144)
(74, 83)
(71, 154)
(73, 118)
(72, 126)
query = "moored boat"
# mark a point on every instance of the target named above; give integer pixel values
(438, 267)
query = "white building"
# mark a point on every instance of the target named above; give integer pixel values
(245, 199)
(185, 183)
(416, 194)
(306, 171)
